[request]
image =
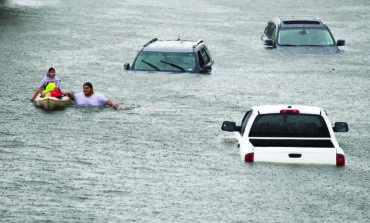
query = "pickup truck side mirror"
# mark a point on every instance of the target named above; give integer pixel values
(340, 127)
(230, 127)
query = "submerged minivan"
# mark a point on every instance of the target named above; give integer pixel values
(300, 35)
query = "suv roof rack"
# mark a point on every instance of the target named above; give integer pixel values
(280, 18)
(198, 42)
(151, 41)
(293, 20)
(299, 20)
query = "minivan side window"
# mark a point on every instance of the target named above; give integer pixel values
(273, 33)
(271, 30)
(201, 61)
(204, 56)
(207, 53)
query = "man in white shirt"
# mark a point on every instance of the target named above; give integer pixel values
(89, 98)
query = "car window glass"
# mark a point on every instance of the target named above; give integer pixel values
(271, 30)
(245, 121)
(207, 52)
(165, 61)
(268, 30)
(305, 37)
(289, 125)
(201, 60)
(205, 56)
(273, 33)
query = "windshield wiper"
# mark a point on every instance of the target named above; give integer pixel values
(151, 65)
(174, 65)
(302, 45)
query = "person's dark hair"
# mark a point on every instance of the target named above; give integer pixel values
(88, 84)
(51, 69)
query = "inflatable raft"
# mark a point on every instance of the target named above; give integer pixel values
(51, 103)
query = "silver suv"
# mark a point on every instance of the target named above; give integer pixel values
(173, 56)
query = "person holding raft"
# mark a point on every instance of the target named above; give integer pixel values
(48, 84)
(89, 98)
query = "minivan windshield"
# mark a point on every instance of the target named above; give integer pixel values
(289, 125)
(165, 61)
(305, 37)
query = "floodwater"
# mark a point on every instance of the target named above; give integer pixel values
(161, 156)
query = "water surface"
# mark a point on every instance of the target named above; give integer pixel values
(162, 157)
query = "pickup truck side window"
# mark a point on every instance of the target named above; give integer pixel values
(245, 121)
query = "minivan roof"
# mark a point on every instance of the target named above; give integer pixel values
(294, 21)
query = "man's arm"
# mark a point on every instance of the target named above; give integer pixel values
(70, 95)
(110, 103)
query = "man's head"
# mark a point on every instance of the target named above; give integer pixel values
(88, 89)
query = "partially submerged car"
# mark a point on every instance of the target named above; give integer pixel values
(173, 56)
(288, 134)
(300, 35)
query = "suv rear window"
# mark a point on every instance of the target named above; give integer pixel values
(289, 125)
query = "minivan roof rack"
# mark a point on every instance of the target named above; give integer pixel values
(297, 18)
(198, 42)
(151, 41)
(291, 20)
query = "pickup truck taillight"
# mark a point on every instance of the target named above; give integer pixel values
(340, 160)
(289, 111)
(249, 157)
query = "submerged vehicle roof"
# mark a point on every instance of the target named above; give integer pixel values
(319, 41)
(185, 46)
(270, 109)
(299, 22)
